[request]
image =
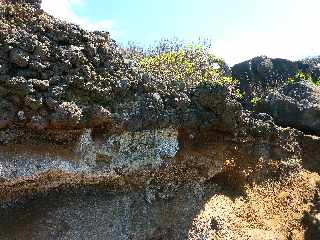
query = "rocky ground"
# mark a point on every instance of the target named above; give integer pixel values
(93, 147)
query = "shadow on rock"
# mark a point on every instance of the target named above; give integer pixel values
(311, 220)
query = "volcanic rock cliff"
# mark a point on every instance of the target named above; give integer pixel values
(95, 148)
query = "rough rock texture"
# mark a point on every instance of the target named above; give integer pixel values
(311, 219)
(93, 148)
(294, 104)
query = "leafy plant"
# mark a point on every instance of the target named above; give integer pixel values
(303, 76)
(175, 60)
(255, 100)
(191, 65)
(239, 94)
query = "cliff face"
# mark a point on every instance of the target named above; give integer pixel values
(94, 148)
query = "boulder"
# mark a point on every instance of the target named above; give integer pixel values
(66, 115)
(267, 89)
(19, 57)
(296, 105)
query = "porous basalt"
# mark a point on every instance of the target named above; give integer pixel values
(93, 147)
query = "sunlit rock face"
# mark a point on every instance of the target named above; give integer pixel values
(128, 152)
(18, 163)
(133, 151)
(92, 147)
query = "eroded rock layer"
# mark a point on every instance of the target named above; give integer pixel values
(92, 147)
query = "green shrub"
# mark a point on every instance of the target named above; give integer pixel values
(301, 76)
(173, 60)
(255, 100)
(192, 65)
(239, 94)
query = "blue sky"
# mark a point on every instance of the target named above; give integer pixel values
(239, 29)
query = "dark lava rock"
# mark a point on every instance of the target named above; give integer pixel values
(47, 62)
(82, 80)
(261, 74)
(67, 115)
(295, 104)
(38, 123)
(34, 3)
(19, 57)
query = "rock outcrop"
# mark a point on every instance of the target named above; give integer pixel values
(94, 148)
(267, 88)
